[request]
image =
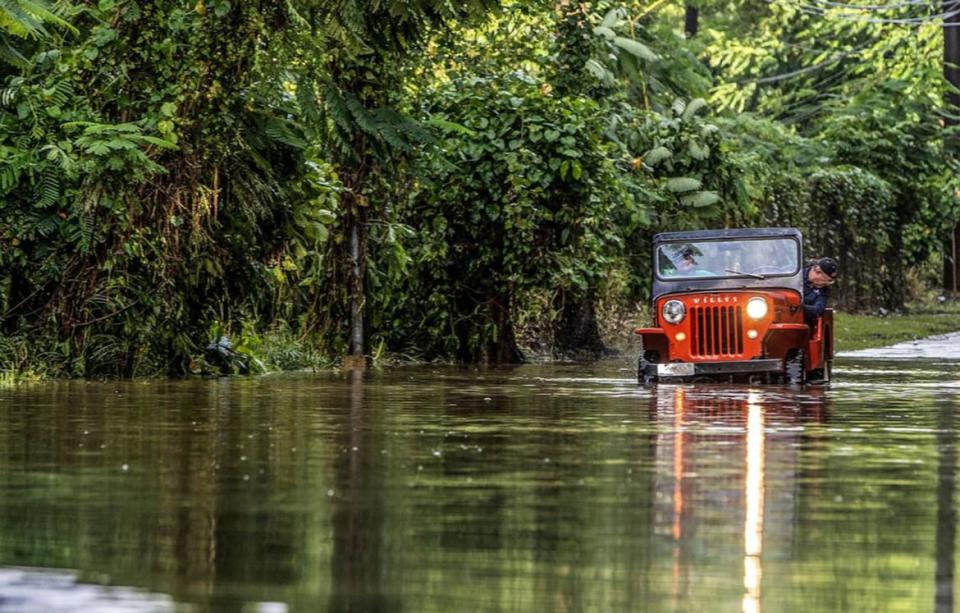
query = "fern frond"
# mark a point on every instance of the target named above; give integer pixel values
(86, 228)
(412, 131)
(9, 176)
(8, 96)
(361, 115)
(282, 131)
(62, 93)
(10, 55)
(307, 100)
(18, 21)
(450, 127)
(47, 225)
(43, 12)
(47, 191)
(339, 112)
(37, 222)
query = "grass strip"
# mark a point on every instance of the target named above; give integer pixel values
(854, 332)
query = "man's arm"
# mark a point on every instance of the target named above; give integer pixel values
(817, 307)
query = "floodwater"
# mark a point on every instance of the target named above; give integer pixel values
(538, 488)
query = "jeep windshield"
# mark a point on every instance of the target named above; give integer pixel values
(757, 258)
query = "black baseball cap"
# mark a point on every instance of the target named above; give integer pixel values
(828, 266)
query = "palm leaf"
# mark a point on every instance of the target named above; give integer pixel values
(682, 184)
(698, 151)
(695, 105)
(612, 17)
(700, 199)
(657, 155)
(635, 48)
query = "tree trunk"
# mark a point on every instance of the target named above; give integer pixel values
(352, 253)
(951, 261)
(577, 332)
(691, 20)
(951, 60)
(356, 288)
(503, 348)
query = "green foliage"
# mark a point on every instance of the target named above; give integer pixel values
(26, 20)
(793, 65)
(262, 350)
(646, 66)
(699, 182)
(517, 203)
(132, 216)
(902, 141)
(852, 219)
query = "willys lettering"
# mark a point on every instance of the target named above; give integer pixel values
(715, 300)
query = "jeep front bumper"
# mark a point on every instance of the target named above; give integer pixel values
(693, 369)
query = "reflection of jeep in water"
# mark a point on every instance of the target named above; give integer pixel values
(728, 304)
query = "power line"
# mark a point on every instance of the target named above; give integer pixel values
(795, 73)
(819, 11)
(872, 7)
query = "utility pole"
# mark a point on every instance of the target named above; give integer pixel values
(951, 72)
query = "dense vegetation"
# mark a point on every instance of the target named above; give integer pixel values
(328, 178)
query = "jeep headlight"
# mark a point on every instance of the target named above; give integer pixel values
(674, 311)
(757, 308)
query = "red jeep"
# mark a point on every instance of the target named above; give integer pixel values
(728, 305)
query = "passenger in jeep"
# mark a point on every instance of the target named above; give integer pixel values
(685, 264)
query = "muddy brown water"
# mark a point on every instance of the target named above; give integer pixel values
(542, 487)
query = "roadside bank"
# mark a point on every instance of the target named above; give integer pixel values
(855, 332)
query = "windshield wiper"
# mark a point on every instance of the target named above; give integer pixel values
(747, 274)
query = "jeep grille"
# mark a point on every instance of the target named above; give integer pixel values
(717, 330)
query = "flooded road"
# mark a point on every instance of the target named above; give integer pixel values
(555, 487)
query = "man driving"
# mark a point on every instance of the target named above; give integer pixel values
(817, 279)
